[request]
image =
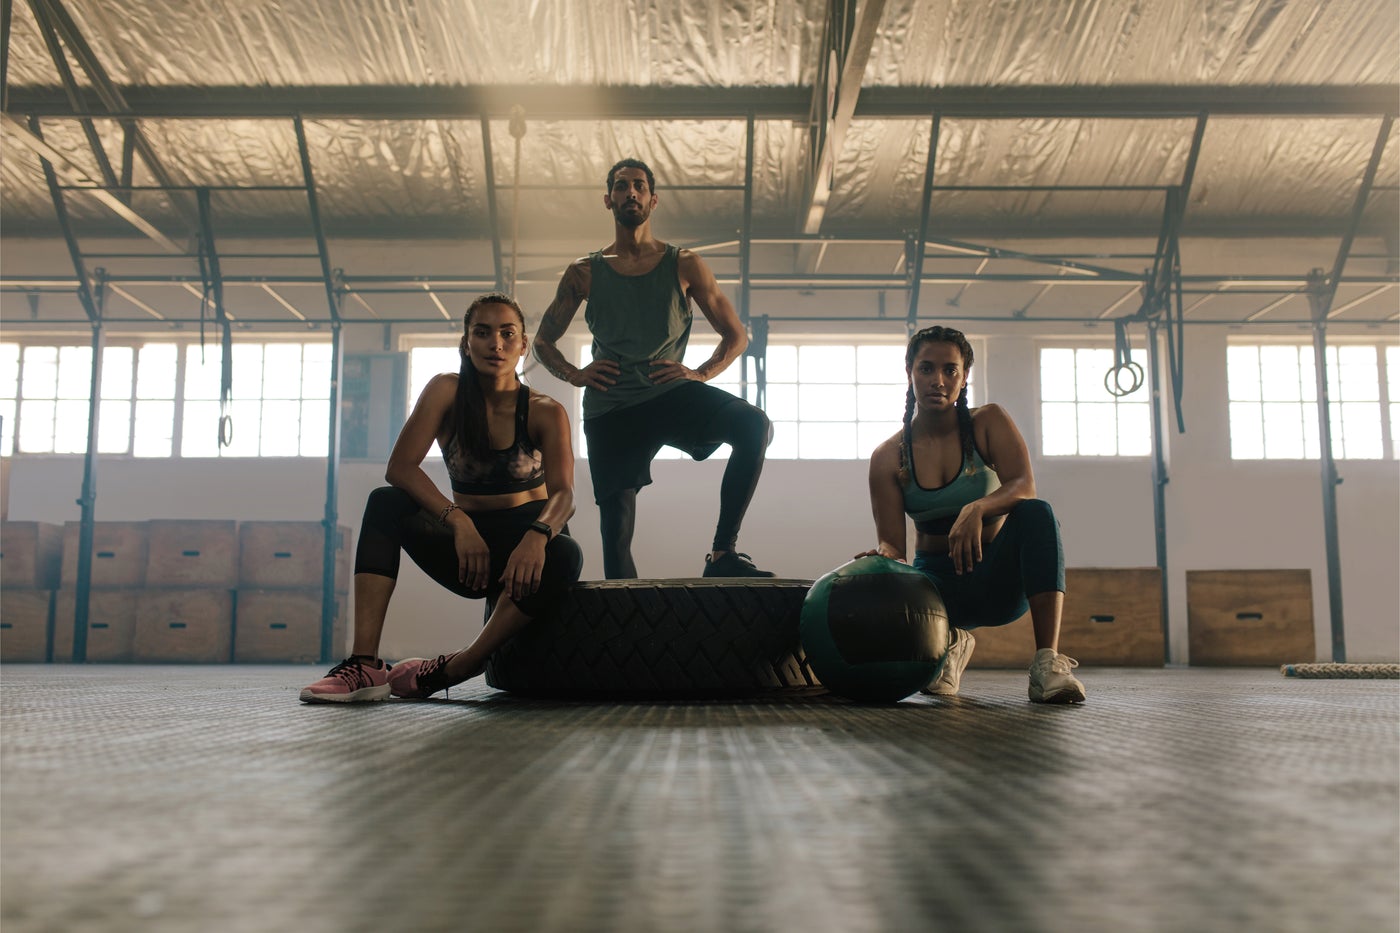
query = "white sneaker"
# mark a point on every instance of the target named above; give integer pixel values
(959, 653)
(1051, 680)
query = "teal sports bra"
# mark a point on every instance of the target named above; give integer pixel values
(935, 510)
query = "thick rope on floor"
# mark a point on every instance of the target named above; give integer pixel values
(1352, 671)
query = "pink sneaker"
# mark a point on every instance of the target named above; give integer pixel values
(350, 681)
(419, 678)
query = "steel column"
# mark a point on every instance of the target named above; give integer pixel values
(1330, 479)
(331, 519)
(753, 349)
(88, 500)
(329, 649)
(1321, 294)
(1159, 484)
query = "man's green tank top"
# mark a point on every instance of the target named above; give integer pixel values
(635, 319)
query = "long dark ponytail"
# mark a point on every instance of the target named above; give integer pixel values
(936, 334)
(469, 426)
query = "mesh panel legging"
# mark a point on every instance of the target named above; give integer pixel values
(395, 523)
(1026, 558)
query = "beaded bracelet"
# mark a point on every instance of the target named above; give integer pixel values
(442, 519)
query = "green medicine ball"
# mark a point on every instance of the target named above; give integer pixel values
(874, 630)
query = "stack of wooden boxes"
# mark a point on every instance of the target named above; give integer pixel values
(279, 591)
(170, 591)
(29, 560)
(119, 556)
(1112, 618)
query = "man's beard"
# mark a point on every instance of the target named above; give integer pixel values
(630, 220)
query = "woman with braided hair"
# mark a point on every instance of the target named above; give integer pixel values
(992, 548)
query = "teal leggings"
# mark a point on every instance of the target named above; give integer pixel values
(1026, 558)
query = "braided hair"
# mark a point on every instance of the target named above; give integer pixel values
(935, 334)
(469, 407)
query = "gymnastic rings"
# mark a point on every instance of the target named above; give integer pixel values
(1113, 379)
(225, 430)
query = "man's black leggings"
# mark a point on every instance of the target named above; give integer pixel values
(692, 417)
(747, 431)
(394, 523)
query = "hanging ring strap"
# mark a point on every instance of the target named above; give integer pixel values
(1122, 363)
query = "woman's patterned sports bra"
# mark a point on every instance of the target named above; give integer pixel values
(517, 468)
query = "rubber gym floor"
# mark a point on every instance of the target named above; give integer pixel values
(208, 798)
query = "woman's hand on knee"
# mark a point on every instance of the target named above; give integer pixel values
(965, 539)
(473, 556)
(525, 568)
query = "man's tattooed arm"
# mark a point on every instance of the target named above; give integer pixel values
(572, 291)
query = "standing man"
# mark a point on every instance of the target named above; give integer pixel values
(637, 395)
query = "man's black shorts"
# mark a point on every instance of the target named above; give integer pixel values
(622, 443)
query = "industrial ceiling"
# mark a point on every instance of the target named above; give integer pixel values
(373, 160)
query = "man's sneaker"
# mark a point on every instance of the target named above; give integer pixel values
(955, 662)
(1051, 680)
(419, 678)
(732, 564)
(350, 681)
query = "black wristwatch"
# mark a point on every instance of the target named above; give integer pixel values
(543, 528)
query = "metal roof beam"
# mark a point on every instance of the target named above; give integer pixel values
(328, 277)
(45, 19)
(77, 175)
(1363, 194)
(792, 102)
(75, 253)
(850, 34)
(915, 262)
(6, 15)
(110, 96)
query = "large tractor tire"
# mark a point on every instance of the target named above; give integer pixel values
(716, 637)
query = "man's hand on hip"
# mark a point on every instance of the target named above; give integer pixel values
(664, 371)
(598, 374)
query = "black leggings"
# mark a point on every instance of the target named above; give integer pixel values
(395, 523)
(747, 431)
(1026, 558)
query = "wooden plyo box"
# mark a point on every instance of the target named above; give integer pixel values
(289, 555)
(1245, 618)
(192, 553)
(118, 553)
(187, 626)
(30, 554)
(1112, 618)
(111, 624)
(284, 625)
(25, 620)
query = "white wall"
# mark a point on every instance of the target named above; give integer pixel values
(808, 517)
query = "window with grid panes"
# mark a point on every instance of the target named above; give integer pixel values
(1080, 417)
(1273, 401)
(152, 394)
(827, 401)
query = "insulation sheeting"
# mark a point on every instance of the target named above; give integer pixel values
(427, 177)
(440, 42)
(944, 43)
